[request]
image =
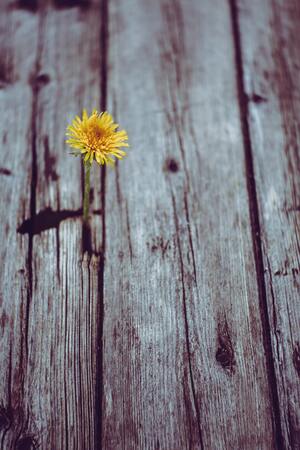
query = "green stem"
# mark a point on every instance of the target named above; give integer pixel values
(86, 199)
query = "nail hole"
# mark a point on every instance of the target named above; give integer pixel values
(171, 165)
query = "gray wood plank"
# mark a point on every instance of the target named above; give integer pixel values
(18, 32)
(51, 397)
(271, 58)
(183, 358)
(67, 364)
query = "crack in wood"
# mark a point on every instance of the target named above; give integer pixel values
(128, 232)
(50, 161)
(186, 323)
(187, 215)
(117, 179)
(98, 398)
(296, 358)
(6, 417)
(256, 98)
(6, 70)
(86, 238)
(27, 443)
(4, 171)
(66, 4)
(32, 207)
(255, 224)
(27, 5)
(293, 426)
(225, 351)
(171, 63)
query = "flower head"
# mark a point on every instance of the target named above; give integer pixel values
(95, 137)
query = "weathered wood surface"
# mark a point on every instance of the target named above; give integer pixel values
(271, 69)
(180, 292)
(172, 322)
(50, 297)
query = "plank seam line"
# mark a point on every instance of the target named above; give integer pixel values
(99, 389)
(34, 175)
(255, 222)
(186, 325)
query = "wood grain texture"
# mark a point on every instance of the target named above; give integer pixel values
(271, 60)
(19, 31)
(71, 287)
(171, 321)
(182, 337)
(50, 313)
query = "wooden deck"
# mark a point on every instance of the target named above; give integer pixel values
(172, 322)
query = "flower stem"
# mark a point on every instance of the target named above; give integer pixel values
(86, 198)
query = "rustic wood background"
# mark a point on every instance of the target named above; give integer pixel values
(172, 321)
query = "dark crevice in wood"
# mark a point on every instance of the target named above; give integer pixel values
(293, 427)
(293, 208)
(50, 161)
(33, 186)
(186, 323)
(104, 41)
(117, 178)
(128, 232)
(66, 347)
(6, 421)
(296, 358)
(187, 215)
(4, 171)
(57, 238)
(86, 227)
(92, 195)
(6, 77)
(178, 129)
(256, 98)
(9, 378)
(57, 252)
(27, 443)
(28, 5)
(66, 4)
(86, 238)
(225, 351)
(99, 334)
(24, 320)
(6, 417)
(275, 322)
(173, 59)
(255, 225)
(275, 328)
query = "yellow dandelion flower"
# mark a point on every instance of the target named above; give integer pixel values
(96, 138)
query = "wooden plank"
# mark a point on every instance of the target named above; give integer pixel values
(183, 357)
(58, 395)
(271, 58)
(65, 298)
(18, 32)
